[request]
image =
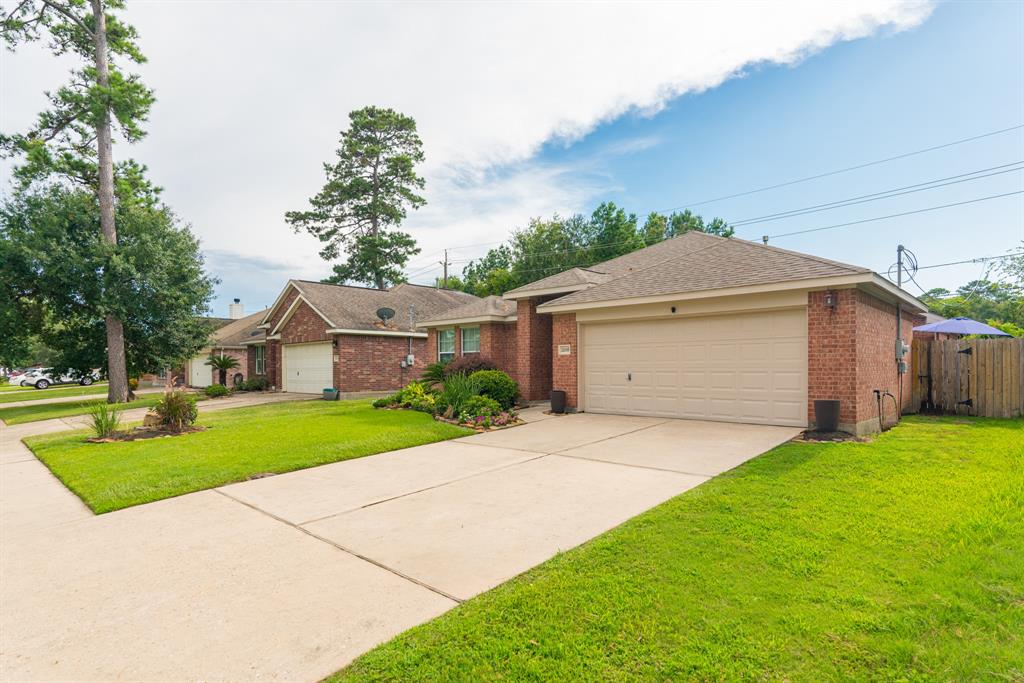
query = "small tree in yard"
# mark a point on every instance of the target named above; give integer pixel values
(222, 364)
(368, 191)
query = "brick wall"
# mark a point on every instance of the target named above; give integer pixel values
(305, 325)
(242, 369)
(564, 368)
(533, 350)
(832, 353)
(497, 343)
(368, 363)
(283, 308)
(274, 364)
(851, 352)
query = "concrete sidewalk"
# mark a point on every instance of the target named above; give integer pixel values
(40, 397)
(291, 577)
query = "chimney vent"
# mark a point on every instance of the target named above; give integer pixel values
(236, 310)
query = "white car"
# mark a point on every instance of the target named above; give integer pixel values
(42, 378)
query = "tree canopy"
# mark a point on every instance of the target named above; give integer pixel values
(368, 192)
(59, 280)
(548, 246)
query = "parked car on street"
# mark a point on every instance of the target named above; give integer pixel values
(15, 376)
(42, 378)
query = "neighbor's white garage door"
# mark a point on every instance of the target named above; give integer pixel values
(307, 368)
(749, 367)
(199, 373)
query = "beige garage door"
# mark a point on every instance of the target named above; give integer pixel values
(308, 368)
(749, 367)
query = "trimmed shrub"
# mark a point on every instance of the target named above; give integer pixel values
(258, 383)
(467, 365)
(497, 385)
(105, 420)
(388, 401)
(458, 389)
(216, 391)
(177, 410)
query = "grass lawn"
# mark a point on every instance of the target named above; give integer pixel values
(54, 392)
(899, 559)
(237, 444)
(48, 411)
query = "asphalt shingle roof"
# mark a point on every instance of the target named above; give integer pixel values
(355, 308)
(241, 330)
(696, 262)
(488, 306)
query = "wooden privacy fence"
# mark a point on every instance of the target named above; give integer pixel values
(969, 376)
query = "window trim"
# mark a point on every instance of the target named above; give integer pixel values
(463, 339)
(261, 360)
(441, 354)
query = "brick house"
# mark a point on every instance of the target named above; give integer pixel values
(699, 327)
(319, 335)
(230, 338)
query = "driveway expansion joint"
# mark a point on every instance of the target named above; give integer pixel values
(538, 456)
(342, 548)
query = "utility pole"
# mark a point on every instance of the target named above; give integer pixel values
(899, 265)
(445, 263)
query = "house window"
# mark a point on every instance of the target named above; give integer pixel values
(471, 340)
(261, 360)
(445, 345)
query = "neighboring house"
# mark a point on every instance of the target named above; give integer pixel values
(698, 327)
(320, 335)
(229, 339)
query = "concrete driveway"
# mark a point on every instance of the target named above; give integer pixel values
(291, 577)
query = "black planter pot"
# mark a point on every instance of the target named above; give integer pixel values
(826, 415)
(558, 401)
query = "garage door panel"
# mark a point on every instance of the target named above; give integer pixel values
(308, 368)
(745, 367)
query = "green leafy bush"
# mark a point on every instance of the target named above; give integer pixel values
(467, 365)
(418, 397)
(457, 390)
(258, 383)
(177, 410)
(433, 373)
(216, 391)
(388, 401)
(105, 420)
(497, 385)
(479, 406)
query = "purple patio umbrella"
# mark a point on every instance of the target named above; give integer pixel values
(961, 326)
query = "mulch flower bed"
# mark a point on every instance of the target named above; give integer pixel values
(140, 433)
(514, 422)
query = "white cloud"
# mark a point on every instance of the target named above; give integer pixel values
(251, 96)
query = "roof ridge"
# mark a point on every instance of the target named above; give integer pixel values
(812, 257)
(628, 273)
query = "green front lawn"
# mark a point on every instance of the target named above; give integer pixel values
(55, 392)
(899, 559)
(48, 411)
(237, 444)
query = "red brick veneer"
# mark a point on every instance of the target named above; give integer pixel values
(564, 368)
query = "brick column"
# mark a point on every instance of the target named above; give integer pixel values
(564, 367)
(273, 362)
(533, 351)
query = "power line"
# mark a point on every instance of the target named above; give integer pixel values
(845, 170)
(980, 259)
(884, 194)
(895, 215)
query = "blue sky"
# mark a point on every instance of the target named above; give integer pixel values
(959, 74)
(528, 109)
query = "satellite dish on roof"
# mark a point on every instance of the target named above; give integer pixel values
(385, 314)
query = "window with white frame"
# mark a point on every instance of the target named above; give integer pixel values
(261, 360)
(471, 340)
(445, 345)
